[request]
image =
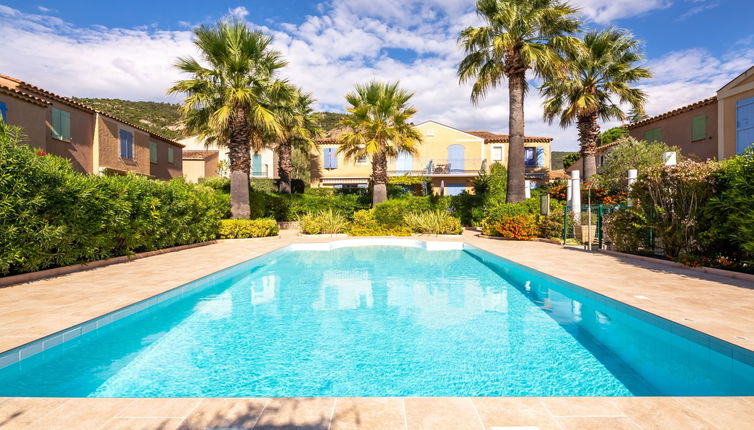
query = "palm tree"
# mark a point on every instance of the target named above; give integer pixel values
(299, 125)
(598, 83)
(519, 35)
(229, 102)
(378, 126)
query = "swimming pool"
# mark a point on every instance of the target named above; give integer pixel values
(378, 318)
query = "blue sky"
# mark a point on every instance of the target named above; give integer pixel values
(126, 49)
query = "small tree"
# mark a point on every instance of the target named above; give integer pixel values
(671, 199)
(612, 135)
(632, 154)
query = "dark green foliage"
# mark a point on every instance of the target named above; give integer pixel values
(612, 135)
(329, 120)
(728, 217)
(265, 185)
(52, 216)
(489, 190)
(494, 214)
(568, 159)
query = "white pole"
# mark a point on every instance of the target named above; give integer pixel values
(527, 189)
(632, 175)
(569, 194)
(576, 195)
(669, 158)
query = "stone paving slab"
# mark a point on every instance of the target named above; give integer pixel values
(719, 306)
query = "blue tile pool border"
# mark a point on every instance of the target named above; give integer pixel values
(19, 353)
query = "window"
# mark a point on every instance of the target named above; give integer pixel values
(61, 124)
(362, 160)
(171, 155)
(540, 156)
(654, 135)
(331, 158)
(153, 152)
(497, 153)
(256, 165)
(530, 157)
(126, 145)
(699, 127)
(3, 112)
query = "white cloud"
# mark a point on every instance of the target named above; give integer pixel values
(328, 54)
(607, 11)
(239, 12)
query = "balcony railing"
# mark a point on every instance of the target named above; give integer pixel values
(437, 166)
(262, 173)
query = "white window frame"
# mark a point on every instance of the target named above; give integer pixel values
(492, 153)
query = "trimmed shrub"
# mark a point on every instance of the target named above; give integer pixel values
(625, 229)
(518, 227)
(325, 222)
(494, 214)
(247, 228)
(365, 224)
(53, 216)
(433, 222)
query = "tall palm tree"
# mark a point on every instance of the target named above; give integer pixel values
(597, 84)
(378, 126)
(229, 101)
(299, 127)
(518, 35)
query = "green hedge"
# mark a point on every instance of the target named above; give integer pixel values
(247, 228)
(51, 215)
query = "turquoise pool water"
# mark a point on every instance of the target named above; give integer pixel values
(383, 321)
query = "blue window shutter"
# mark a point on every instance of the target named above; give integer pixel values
(153, 152)
(256, 165)
(126, 145)
(3, 112)
(334, 161)
(540, 156)
(328, 158)
(171, 156)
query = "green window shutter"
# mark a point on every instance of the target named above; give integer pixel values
(170, 155)
(654, 135)
(56, 123)
(699, 127)
(65, 125)
(153, 152)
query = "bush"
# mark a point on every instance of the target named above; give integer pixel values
(625, 229)
(728, 216)
(54, 216)
(494, 214)
(434, 222)
(518, 227)
(246, 228)
(391, 213)
(632, 154)
(671, 200)
(551, 227)
(365, 224)
(264, 185)
(325, 222)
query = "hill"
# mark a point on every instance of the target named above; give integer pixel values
(164, 118)
(161, 118)
(557, 159)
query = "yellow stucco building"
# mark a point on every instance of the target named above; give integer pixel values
(450, 158)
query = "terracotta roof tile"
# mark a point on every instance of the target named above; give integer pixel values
(198, 155)
(23, 96)
(673, 112)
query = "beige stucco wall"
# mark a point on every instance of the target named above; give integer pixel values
(80, 148)
(269, 159)
(109, 148)
(193, 170)
(727, 111)
(162, 169)
(30, 117)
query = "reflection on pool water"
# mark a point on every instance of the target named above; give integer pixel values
(417, 320)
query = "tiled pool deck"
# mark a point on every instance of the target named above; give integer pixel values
(718, 306)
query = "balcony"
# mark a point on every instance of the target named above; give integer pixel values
(437, 167)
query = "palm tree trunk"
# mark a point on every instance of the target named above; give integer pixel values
(285, 167)
(240, 163)
(589, 131)
(379, 178)
(516, 169)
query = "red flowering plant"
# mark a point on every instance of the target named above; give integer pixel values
(41, 153)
